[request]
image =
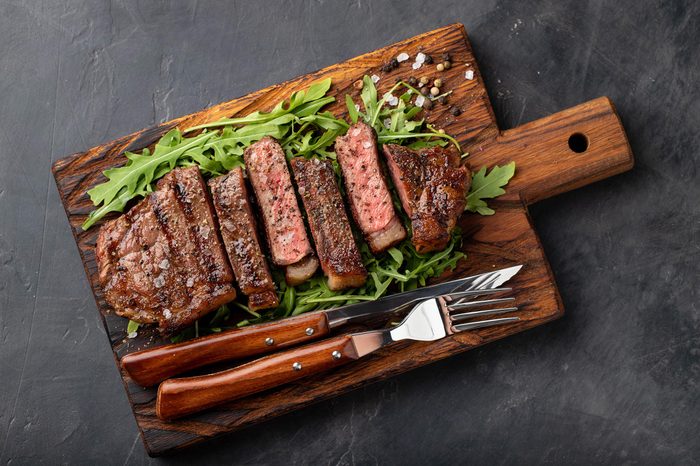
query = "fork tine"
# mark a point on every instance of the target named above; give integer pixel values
(485, 312)
(484, 323)
(465, 305)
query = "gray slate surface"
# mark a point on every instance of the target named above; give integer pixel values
(617, 380)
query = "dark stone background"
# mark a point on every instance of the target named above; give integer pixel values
(617, 380)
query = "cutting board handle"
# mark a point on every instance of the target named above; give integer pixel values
(561, 152)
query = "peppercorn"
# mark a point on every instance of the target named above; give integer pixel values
(424, 80)
(437, 83)
(424, 90)
(428, 59)
(434, 90)
(440, 67)
(443, 100)
(412, 81)
(358, 84)
(445, 56)
(447, 64)
(394, 63)
(456, 111)
(428, 104)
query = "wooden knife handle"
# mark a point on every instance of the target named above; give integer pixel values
(560, 152)
(179, 397)
(155, 365)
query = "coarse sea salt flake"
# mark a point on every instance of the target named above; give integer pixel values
(420, 100)
(164, 264)
(387, 122)
(403, 56)
(132, 335)
(190, 282)
(357, 107)
(366, 144)
(393, 101)
(420, 58)
(159, 281)
(167, 314)
(469, 74)
(416, 65)
(387, 97)
(375, 78)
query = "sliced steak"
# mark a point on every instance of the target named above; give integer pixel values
(286, 234)
(162, 262)
(339, 256)
(432, 187)
(239, 233)
(368, 194)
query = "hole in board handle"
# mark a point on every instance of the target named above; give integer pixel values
(578, 142)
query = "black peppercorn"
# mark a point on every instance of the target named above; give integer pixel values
(394, 63)
(443, 100)
(412, 81)
(428, 59)
(428, 104)
(456, 111)
(445, 56)
(424, 90)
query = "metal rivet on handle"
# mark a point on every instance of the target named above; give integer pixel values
(309, 331)
(336, 354)
(269, 341)
(296, 366)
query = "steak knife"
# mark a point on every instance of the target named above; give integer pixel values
(152, 366)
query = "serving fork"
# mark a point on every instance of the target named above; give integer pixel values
(430, 320)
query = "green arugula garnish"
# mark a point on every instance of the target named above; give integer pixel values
(395, 124)
(132, 327)
(296, 123)
(488, 186)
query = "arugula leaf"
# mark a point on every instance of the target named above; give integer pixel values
(297, 122)
(488, 186)
(396, 124)
(132, 327)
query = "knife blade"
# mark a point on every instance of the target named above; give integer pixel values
(399, 302)
(154, 365)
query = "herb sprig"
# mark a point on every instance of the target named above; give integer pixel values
(297, 123)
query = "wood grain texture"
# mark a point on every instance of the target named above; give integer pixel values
(182, 396)
(153, 365)
(546, 166)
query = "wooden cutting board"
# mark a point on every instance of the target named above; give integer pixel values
(547, 164)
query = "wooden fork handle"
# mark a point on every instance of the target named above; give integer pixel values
(179, 397)
(152, 366)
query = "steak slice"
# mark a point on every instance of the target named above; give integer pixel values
(286, 235)
(432, 187)
(339, 256)
(368, 194)
(240, 236)
(162, 262)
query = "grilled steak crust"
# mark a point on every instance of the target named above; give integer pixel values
(339, 256)
(162, 261)
(239, 233)
(286, 234)
(432, 187)
(368, 194)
